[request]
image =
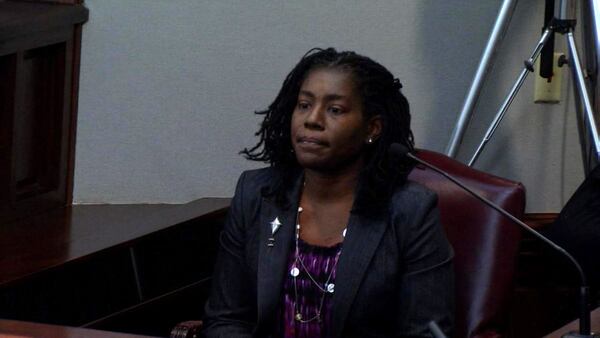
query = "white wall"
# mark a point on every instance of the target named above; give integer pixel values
(168, 89)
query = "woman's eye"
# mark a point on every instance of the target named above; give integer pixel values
(303, 105)
(335, 110)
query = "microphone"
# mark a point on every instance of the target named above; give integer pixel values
(435, 330)
(402, 151)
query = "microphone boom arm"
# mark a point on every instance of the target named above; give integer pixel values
(584, 313)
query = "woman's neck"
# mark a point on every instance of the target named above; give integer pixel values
(325, 187)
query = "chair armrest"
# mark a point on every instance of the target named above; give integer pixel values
(188, 329)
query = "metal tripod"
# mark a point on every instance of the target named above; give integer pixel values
(565, 25)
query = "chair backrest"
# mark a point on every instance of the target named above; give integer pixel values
(485, 242)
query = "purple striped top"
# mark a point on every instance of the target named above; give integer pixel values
(319, 261)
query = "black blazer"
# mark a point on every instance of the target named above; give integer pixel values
(393, 276)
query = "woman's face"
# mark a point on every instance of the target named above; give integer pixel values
(329, 131)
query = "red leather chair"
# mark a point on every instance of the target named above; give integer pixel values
(485, 242)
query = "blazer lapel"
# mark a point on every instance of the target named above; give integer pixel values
(362, 239)
(272, 260)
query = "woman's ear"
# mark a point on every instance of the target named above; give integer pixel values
(374, 127)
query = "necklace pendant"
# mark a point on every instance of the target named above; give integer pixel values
(298, 317)
(330, 287)
(294, 272)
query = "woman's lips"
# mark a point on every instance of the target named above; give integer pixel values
(310, 144)
(311, 140)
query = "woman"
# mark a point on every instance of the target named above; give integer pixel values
(331, 240)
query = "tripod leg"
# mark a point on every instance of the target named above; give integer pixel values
(581, 92)
(511, 96)
(504, 16)
(584, 138)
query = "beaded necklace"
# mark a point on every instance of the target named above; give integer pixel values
(326, 288)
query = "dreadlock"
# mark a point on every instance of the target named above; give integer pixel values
(381, 96)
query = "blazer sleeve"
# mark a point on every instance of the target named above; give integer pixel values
(427, 288)
(229, 311)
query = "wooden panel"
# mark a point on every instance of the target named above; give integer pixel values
(69, 234)
(22, 43)
(7, 106)
(64, 2)
(574, 326)
(20, 19)
(39, 57)
(184, 304)
(38, 132)
(108, 266)
(25, 329)
(38, 125)
(546, 290)
(72, 294)
(75, 61)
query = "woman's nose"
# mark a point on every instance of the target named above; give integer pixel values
(314, 119)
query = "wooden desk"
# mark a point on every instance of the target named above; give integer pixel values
(70, 234)
(111, 267)
(574, 326)
(18, 329)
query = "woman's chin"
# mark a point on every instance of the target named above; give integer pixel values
(311, 164)
(322, 167)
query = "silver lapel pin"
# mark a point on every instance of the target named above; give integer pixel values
(275, 224)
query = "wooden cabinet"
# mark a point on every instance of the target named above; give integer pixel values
(39, 72)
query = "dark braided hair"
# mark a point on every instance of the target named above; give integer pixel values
(381, 96)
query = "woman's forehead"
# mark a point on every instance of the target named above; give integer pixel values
(331, 80)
